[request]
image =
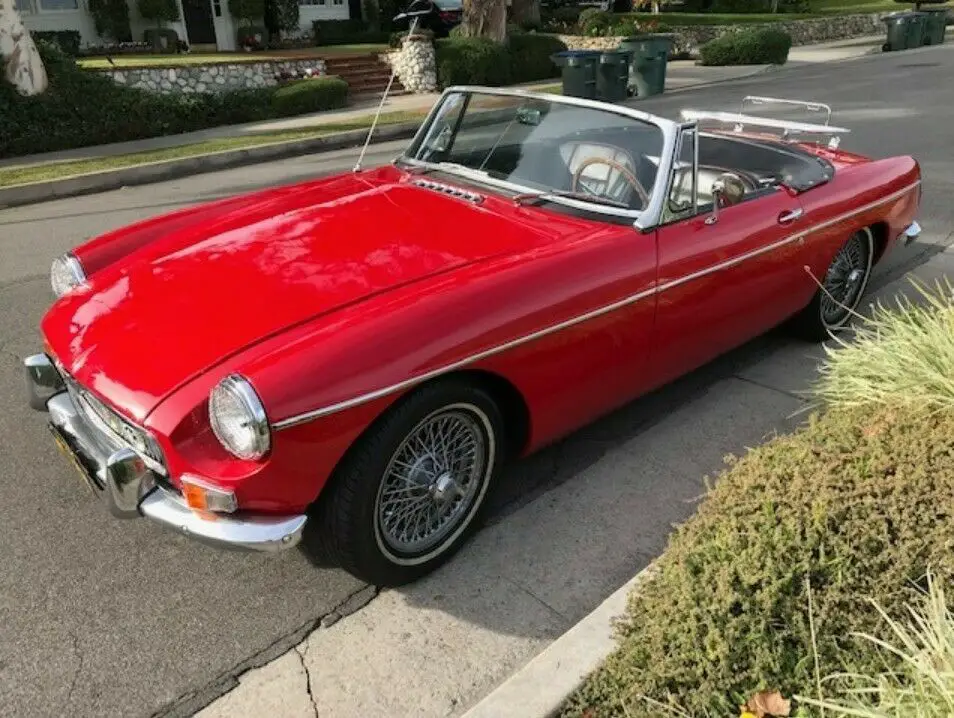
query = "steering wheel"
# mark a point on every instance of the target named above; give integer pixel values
(626, 174)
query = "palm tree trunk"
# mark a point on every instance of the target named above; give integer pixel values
(483, 18)
(23, 67)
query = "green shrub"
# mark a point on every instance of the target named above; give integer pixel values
(899, 355)
(247, 11)
(111, 19)
(856, 506)
(312, 95)
(559, 19)
(747, 47)
(924, 684)
(67, 40)
(530, 57)
(346, 32)
(83, 108)
(471, 61)
(593, 21)
(159, 11)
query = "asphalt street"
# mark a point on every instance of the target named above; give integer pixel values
(100, 617)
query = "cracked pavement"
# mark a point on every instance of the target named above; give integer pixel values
(103, 617)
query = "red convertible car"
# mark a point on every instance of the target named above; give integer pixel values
(345, 364)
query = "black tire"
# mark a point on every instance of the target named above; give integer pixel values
(823, 317)
(348, 523)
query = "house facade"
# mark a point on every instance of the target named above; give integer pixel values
(207, 24)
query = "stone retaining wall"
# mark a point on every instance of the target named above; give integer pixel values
(212, 77)
(804, 32)
(415, 64)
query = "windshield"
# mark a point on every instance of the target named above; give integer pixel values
(544, 145)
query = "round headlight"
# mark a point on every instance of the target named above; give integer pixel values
(238, 418)
(66, 273)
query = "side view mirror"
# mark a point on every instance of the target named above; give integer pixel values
(727, 189)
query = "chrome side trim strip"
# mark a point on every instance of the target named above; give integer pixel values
(785, 240)
(371, 396)
(626, 301)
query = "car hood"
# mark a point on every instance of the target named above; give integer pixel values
(187, 300)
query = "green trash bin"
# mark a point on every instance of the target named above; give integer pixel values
(647, 75)
(612, 75)
(578, 68)
(897, 27)
(917, 25)
(935, 25)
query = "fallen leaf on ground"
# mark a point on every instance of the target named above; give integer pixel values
(768, 703)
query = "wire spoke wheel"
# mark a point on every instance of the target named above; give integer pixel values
(846, 279)
(433, 482)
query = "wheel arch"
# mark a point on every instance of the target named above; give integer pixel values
(879, 233)
(511, 402)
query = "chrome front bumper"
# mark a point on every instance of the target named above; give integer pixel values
(129, 489)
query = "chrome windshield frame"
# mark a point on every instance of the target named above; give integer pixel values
(643, 219)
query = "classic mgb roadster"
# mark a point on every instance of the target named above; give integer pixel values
(345, 364)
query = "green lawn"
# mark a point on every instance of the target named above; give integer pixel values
(218, 58)
(24, 174)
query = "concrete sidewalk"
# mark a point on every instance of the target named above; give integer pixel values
(436, 648)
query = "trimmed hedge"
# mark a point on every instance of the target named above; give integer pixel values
(479, 61)
(530, 57)
(346, 32)
(82, 108)
(856, 505)
(302, 96)
(471, 61)
(747, 47)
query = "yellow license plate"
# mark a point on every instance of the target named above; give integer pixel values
(68, 453)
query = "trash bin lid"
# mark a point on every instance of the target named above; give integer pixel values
(576, 53)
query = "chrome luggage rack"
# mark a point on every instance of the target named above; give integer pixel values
(790, 129)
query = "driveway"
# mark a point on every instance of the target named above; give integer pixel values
(101, 617)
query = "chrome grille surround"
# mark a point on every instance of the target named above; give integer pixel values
(110, 421)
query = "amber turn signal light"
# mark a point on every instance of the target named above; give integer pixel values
(200, 496)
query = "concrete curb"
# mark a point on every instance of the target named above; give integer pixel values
(34, 192)
(539, 689)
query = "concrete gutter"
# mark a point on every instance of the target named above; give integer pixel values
(540, 688)
(88, 183)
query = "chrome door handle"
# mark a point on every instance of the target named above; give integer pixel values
(786, 217)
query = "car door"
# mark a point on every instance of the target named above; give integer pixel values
(724, 276)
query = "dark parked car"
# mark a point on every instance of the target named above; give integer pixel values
(443, 15)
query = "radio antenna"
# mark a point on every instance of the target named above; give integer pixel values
(415, 15)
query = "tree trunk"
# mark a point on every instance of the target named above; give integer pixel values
(526, 11)
(23, 67)
(482, 18)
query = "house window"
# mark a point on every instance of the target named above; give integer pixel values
(58, 5)
(23, 6)
(311, 2)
